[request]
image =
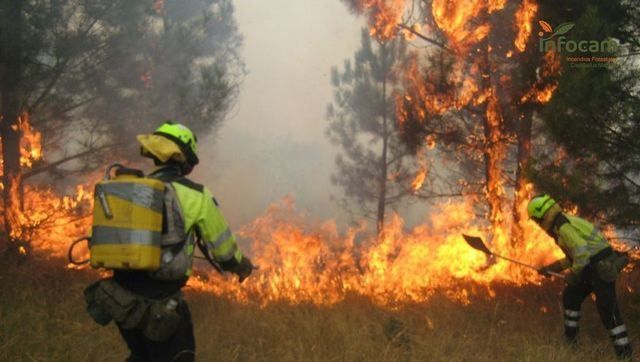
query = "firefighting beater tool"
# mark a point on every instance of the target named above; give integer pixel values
(477, 243)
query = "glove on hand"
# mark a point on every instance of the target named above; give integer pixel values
(555, 267)
(244, 269)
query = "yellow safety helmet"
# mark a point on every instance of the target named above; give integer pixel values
(171, 141)
(539, 205)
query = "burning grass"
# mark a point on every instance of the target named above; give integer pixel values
(43, 318)
(305, 261)
(419, 294)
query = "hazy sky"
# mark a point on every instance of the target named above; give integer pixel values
(274, 144)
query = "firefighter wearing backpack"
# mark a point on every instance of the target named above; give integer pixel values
(594, 267)
(146, 229)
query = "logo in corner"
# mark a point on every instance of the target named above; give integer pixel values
(560, 29)
(579, 52)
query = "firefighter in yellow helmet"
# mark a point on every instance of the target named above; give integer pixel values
(192, 213)
(593, 265)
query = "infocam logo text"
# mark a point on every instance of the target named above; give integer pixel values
(556, 41)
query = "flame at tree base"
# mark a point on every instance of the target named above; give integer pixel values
(39, 218)
(300, 263)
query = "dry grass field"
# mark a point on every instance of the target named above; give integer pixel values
(42, 318)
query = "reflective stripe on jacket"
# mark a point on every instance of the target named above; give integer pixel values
(189, 209)
(580, 240)
(202, 215)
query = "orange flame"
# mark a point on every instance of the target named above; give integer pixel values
(39, 214)
(303, 261)
(454, 19)
(385, 16)
(48, 220)
(543, 89)
(422, 163)
(30, 143)
(466, 78)
(419, 179)
(423, 94)
(524, 18)
(300, 262)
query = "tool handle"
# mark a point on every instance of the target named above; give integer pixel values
(515, 261)
(561, 276)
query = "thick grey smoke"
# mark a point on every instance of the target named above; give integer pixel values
(274, 143)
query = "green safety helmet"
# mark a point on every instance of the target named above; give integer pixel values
(539, 205)
(183, 137)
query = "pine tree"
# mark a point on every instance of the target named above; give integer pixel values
(89, 74)
(592, 159)
(373, 166)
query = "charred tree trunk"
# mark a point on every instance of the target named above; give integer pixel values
(382, 196)
(524, 154)
(493, 150)
(494, 156)
(10, 73)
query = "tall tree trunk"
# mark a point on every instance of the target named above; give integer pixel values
(10, 73)
(382, 196)
(494, 147)
(494, 157)
(524, 155)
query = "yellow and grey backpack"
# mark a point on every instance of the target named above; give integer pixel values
(127, 221)
(138, 224)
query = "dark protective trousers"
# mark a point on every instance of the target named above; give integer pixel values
(180, 347)
(607, 305)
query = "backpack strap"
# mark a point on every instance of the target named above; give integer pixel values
(175, 238)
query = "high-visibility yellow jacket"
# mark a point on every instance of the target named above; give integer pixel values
(202, 216)
(579, 240)
(193, 212)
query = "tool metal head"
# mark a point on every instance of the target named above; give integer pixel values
(477, 243)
